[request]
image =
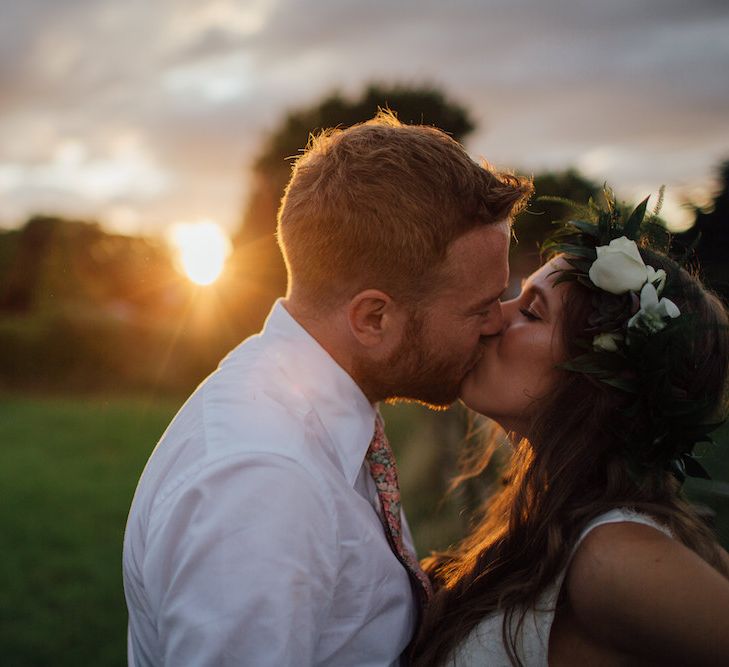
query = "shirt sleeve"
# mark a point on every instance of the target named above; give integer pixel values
(242, 565)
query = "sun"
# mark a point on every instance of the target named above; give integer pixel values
(202, 248)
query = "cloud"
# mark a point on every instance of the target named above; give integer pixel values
(552, 83)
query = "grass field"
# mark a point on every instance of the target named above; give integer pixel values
(68, 469)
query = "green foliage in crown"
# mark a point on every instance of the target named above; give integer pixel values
(638, 332)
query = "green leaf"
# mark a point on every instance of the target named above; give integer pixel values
(693, 468)
(678, 469)
(632, 227)
(579, 368)
(700, 432)
(594, 363)
(582, 266)
(604, 226)
(579, 251)
(622, 384)
(584, 226)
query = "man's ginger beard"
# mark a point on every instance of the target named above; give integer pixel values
(414, 371)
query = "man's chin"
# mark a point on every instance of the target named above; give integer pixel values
(417, 381)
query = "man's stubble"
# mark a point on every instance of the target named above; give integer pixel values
(417, 370)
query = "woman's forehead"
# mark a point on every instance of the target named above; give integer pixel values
(546, 275)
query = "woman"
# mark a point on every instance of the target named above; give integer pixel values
(611, 364)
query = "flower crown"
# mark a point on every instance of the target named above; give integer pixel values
(637, 331)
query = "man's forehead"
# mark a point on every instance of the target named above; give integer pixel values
(479, 268)
(479, 243)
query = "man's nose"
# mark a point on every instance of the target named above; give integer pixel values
(509, 309)
(494, 322)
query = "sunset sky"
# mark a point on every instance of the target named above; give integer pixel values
(142, 114)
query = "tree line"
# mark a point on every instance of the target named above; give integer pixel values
(83, 308)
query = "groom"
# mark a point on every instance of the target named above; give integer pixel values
(266, 528)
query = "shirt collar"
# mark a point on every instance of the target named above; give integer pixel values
(343, 409)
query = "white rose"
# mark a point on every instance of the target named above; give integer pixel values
(606, 342)
(619, 268)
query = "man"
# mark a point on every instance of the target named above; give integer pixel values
(266, 528)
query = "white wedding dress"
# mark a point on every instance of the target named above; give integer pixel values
(484, 646)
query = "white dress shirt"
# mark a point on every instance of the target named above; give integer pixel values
(253, 537)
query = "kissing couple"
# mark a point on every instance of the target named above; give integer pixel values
(267, 527)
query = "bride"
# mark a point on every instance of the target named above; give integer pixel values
(610, 367)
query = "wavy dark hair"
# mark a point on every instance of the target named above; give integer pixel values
(569, 470)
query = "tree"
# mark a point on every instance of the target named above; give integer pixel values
(57, 263)
(710, 231)
(24, 253)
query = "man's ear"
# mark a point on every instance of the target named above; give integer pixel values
(373, 317)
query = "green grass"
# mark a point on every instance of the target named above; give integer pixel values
(68, 469)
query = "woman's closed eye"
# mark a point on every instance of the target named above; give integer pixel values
(529, 314)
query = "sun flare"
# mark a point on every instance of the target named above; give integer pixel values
(202, 248)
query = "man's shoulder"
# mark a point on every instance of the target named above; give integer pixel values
(245, 409)
(249, 404)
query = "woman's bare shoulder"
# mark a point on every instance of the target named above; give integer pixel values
(638, 590)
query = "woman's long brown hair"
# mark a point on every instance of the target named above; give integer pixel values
(570, 470)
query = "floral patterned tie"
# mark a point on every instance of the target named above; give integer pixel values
(384, 474)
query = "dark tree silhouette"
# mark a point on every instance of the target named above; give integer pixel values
(66, 263)
(22, 268)
(710, 232)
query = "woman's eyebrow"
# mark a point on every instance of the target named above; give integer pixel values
(541, 294)
(538, 292)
